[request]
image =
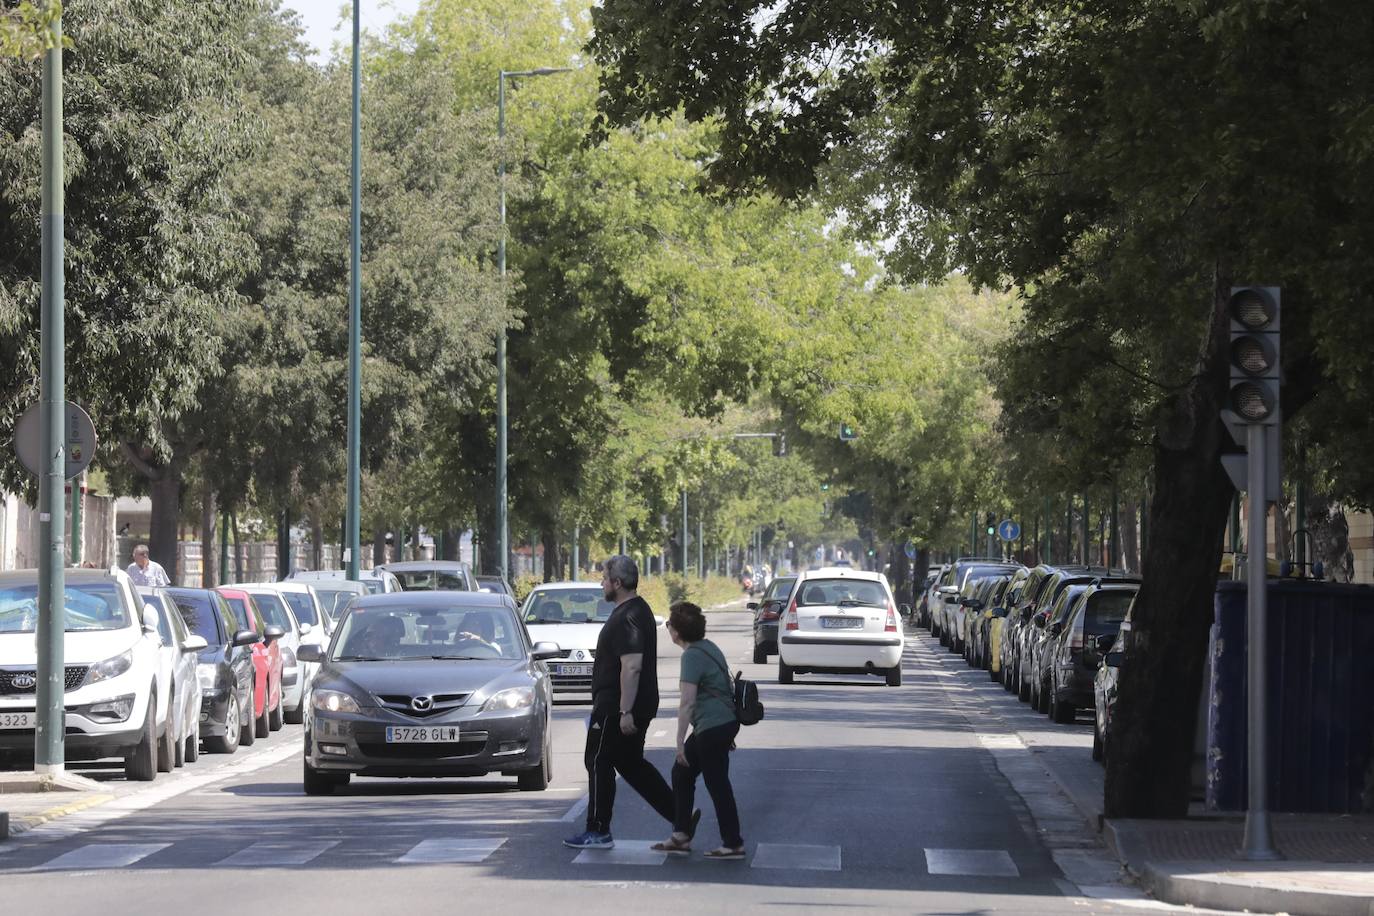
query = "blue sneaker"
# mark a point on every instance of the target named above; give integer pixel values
(590, 840)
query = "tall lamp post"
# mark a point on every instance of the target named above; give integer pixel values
(353, 525)
(502, 507)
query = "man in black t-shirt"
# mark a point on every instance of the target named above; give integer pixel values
(624, 702)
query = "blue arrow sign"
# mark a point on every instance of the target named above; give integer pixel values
(1008, 530)
(910, 550)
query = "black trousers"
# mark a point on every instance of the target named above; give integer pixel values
(610, 752)
(708, 756)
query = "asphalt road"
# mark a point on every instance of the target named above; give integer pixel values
(852, 795)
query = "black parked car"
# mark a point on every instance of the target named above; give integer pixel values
(225, 668)
(439, 683)
(1077, 650)
(767, 611)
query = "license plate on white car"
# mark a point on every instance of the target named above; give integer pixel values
(573, 670)
(842, 623)
(17, 719)
(431, 734)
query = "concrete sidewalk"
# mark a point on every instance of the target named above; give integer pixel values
(27, 800)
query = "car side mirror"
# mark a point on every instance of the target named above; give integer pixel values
(193, 643)
(1114, 659)
(245, 637)
(904, 610)
(1105, 643)
(752, 605)
(306, 628)
(541, 651)
(1056, 628)
(1039, 620)
(310, 653)
(272, 634)
(1000, 612)
(150, 619)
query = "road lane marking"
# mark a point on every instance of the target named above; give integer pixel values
(451, 850)
(660, 733)
(104, 855)
(791, 855)
(625, 852)
(576, 810)
(279, 853)
(986, 863)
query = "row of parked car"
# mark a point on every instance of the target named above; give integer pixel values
(156, 675)
(1053, 635)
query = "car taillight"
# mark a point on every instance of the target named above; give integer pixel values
(891, 620)
(791, 615)
(769, 614)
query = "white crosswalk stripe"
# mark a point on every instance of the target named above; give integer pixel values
(106, 855)
(987, 863)
(451, 850)
(798, 856)
(288, 853)
(625, 852)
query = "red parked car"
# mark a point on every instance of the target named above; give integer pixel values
(267, 711)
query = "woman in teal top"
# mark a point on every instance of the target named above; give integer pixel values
(708, 705)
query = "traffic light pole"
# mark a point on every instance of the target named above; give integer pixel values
(353, 532)
(49, 741)
(1259, 839)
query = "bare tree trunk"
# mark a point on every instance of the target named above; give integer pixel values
(208, 560)
(238, 548)
(378, 546)
(1130, 544)
(166, 515)
(1283, 535)
(553, 559)
(316, 541)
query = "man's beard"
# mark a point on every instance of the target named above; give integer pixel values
(608, 593)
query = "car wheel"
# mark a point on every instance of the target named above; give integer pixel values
(1097, 743)
(536, 779)
(1043, 699)
(261, 725)
(233, 729)
(1023, 690)
(784, 672)
(894, 676)
(1061, 712)
(141, 765)
(760, 656)
(192, 752)
(317, 783)
(296, 716)
(178, 753)
(274, 718)
(247, 735)
(995, 676)
(166, 752)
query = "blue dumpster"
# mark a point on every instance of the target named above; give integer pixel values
(1321, 698)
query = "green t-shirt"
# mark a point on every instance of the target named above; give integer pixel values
(704, 665)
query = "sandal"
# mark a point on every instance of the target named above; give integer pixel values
(676, 845)
(725, 853)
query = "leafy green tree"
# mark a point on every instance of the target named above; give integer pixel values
(1113, 163)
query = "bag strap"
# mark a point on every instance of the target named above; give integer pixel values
(727, 697)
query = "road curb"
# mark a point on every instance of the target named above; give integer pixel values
(27, 822)
(1220, 893)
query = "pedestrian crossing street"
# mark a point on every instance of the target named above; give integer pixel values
(457, 850)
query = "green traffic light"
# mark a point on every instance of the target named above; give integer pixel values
(992, 531)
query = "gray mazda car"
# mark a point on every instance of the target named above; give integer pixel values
(429, 684)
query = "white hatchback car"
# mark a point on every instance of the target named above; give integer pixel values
(180, 741)
(116, 692)
(570, 614)
(841, 621)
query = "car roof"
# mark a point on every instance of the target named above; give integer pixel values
(70, 574)
(285, 585)
(340, 585)
(842, 572)
(547, 586)
(422, 565)
(439, 599)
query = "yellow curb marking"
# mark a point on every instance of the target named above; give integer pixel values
(30, 821)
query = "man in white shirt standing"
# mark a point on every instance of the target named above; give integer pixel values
(145, 571)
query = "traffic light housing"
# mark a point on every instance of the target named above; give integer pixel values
(1253, 312)
(990, 522)
(780, 445)
(847, 433)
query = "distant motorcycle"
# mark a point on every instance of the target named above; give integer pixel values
(747, 585)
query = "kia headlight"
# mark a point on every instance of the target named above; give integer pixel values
(110, 667)
(511, 698)
(333, 701)
(117, 710)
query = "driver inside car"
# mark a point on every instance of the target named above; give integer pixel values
(478, 630)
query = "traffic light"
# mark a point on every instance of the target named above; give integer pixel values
(780, 445)
(1254, 354)
(824, 487)
(847, 433)
(990, 522)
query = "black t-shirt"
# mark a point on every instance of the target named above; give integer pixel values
(631, 629)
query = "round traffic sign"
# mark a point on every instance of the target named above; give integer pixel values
(1008, 530)
(77, 450)
(910, 550)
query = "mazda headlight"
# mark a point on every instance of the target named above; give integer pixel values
(512, 698)
(110, 667)
(333, 701)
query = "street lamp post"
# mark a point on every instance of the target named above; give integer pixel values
(352, 543)
(502, 507)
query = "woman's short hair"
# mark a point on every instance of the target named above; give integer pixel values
(687, 621)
